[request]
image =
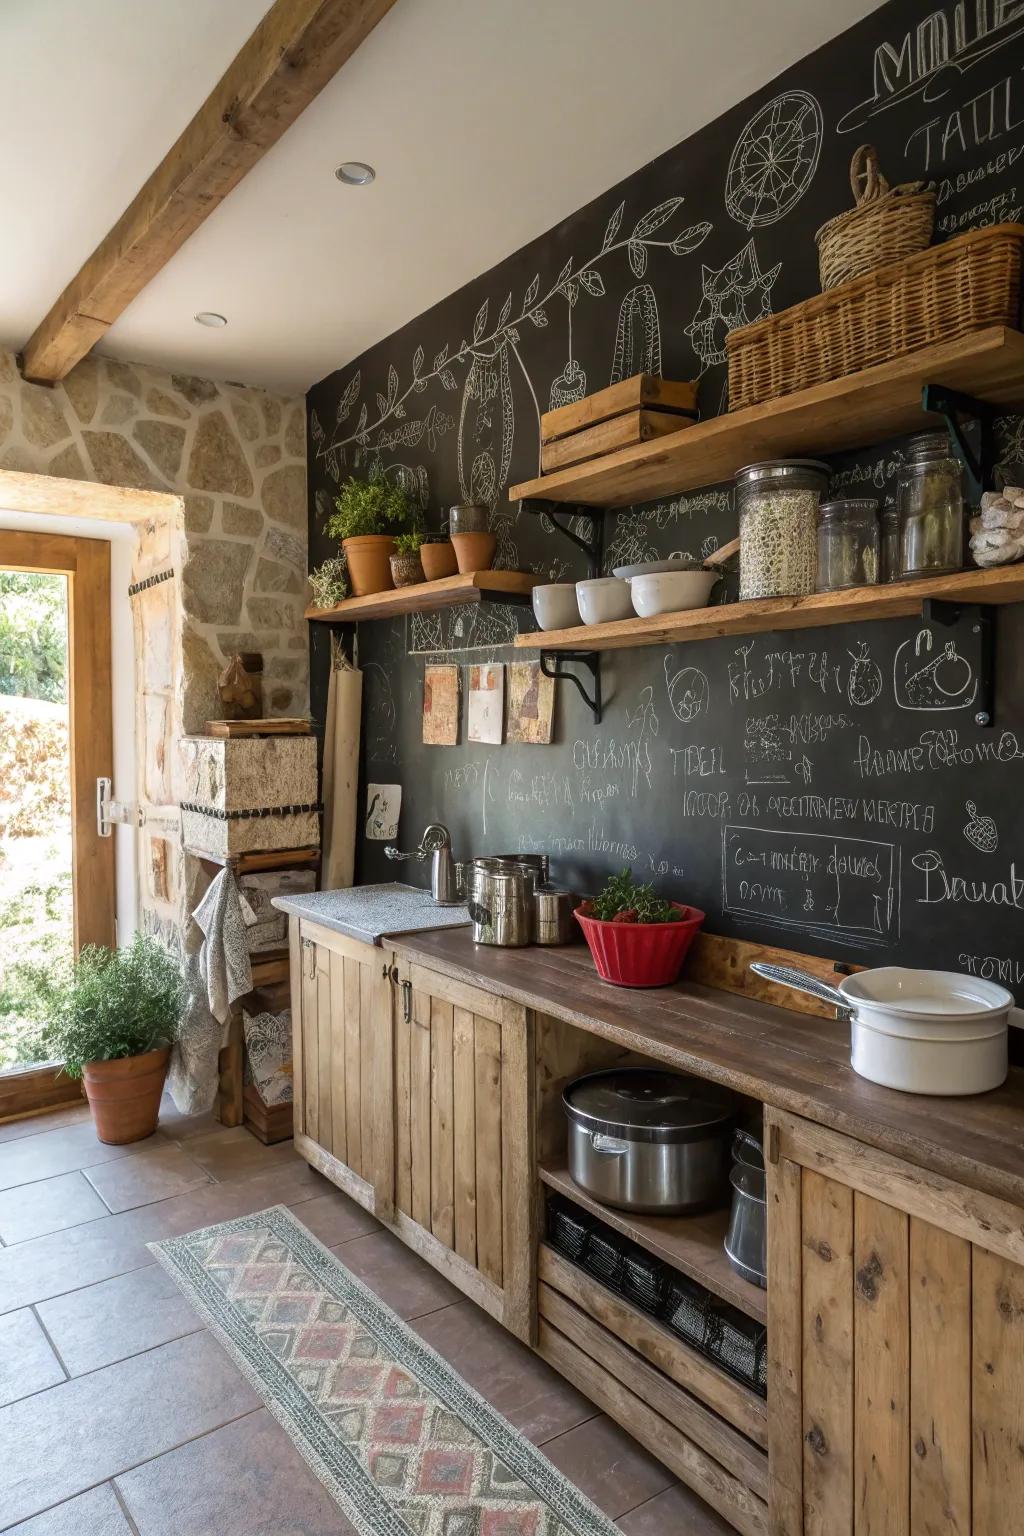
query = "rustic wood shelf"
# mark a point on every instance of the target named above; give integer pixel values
(449, 592)
(895, 600)
(692, 1244)
(866, 407)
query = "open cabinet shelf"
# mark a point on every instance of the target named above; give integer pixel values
(865, 407)
(449, 592)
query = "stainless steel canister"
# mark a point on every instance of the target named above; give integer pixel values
(553, 911)
(500, 902)
(535, 861)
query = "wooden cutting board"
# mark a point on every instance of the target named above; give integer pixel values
(643, 390)
(278, 727)
(623, 431)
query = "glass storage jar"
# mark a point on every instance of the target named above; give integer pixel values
(889, 541)
(777, 502)
(847, 544)
(930, 501)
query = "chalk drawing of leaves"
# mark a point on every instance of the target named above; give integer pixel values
(564, 273)
(316, 429)
(637, 258)
(441, 358)
(592, 282)
(689, 239)
(512, 334)
(361, 423)
(448, 379)
(506, 310)
(572, 292)
(539, 317)
(656, 218)
(392, 384)
(531, 292)
(382, 405)
(348, 399)
(613, 227)
(480, 323)
(417, 360)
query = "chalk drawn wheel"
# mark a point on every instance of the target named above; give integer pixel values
(774, 160)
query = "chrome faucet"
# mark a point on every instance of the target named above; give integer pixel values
(445, 873)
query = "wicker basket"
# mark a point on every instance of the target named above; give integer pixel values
(947, 291)
(886, 225)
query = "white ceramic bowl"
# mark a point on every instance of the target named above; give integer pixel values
(648, 567)
(555, 605)
(671, 591)
(603, 599)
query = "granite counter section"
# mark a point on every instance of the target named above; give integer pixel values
(374, 912)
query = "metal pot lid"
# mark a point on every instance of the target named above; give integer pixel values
(643, 1104)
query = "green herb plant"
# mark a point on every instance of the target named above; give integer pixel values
(625, 900)
(367, 507)
(115, 1003)
(409, 543)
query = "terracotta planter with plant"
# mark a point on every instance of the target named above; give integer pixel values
(114, 1019)
(367, 509)
(437, 556)
(406, 566)
(471, 537)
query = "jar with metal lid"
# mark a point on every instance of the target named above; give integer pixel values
(777, 502)
(847, 544)
(889, 544)
(930, 502)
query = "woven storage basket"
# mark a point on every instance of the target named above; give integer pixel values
(886, 225)
(947, 291)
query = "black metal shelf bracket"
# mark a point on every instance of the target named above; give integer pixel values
(591, 660)
(976, 642)
(979, 465)
(592, 546)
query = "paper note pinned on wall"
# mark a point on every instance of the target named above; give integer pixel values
(383, 808)
(487, 704)
(440, 706)
(531, 704)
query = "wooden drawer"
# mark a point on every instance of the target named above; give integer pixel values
(639, 1374)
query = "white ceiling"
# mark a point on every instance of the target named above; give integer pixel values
(487, 122)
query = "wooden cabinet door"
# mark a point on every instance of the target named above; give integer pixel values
(464, 1146)
(896, 1345)
(341, 1061)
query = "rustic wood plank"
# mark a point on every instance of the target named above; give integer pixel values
(295, 50)
(724, 963)
(488, 1148)
(339, 1099)
(449, 988)
(424, 596)
(353, 1068)
(21, 491)
(624, 431)
(229, 1107)
(940, 1382)
(997, 1311)
(827, 1290)
(731, 1400)
(442, 1123)
(464, 1111)
(518, 1176)
(369, 1023)
(334, 1169)
(325, 1068)
(36, 1091)
(310, 1041)
(403, 1028)
(419, 1058)
(881, 1411)
(642, 389)
(865, 407)
(296, 990)
(785, 1346)
(338, 943)
(382, 1080)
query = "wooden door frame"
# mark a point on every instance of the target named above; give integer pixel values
(86, 564)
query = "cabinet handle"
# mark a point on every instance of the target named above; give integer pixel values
(310, 949)
(407, 1001)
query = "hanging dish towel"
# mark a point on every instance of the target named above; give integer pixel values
(341, 773)
(215, 975)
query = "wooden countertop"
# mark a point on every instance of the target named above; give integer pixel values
(792, 1061)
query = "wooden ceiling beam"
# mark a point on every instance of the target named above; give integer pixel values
(296, 49)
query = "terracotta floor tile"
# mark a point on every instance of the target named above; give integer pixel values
(32, 1210)
(608, 1465)
(61, 1442)
(27, 1363)
(37, 1125)
(532, 1396)
(236, 1154)
(334, 1218)
(96, 1513)
(103, 1323)
(676, 1512)
(155, 1174)
(399, 1277)
(33, 1158)
(244, 1480)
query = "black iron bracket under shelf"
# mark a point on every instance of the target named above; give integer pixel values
(979, 463)
(592, 545)
(974, 646)
(550, 665)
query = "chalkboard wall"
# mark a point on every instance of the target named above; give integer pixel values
(824, 790)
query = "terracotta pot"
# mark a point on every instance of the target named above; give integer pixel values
(474, 551)
(369, 563)
(438, 560)
(124, 1095)
(406, 570)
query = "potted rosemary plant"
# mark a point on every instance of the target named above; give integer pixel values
(115, 1016)
(367, 509)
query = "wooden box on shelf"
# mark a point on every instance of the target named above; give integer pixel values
(621, 416)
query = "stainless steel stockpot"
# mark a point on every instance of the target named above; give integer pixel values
(647, 1140)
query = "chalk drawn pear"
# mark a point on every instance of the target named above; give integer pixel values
(865, 680)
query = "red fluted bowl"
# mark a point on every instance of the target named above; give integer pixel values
(641, 954)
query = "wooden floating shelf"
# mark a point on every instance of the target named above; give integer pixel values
(895, 600)
(865, 407)
(692, 1244)
(449, 592)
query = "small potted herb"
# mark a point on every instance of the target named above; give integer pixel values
(114, 1017)
(406, 567)
(636, 938)
(437, 556)
(367, 509)
(328, 582)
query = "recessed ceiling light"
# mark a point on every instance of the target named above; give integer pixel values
(211, 318)
(354, 173)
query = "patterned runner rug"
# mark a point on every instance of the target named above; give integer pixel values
(398, 1438)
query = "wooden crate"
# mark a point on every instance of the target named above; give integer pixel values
(642, 391)
(624, 431)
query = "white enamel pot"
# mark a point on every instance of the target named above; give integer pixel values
(931, 1032)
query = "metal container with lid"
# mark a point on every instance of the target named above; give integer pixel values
(648, 1140)
(777, 503)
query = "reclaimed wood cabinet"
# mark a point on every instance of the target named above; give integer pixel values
(896, 1344)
